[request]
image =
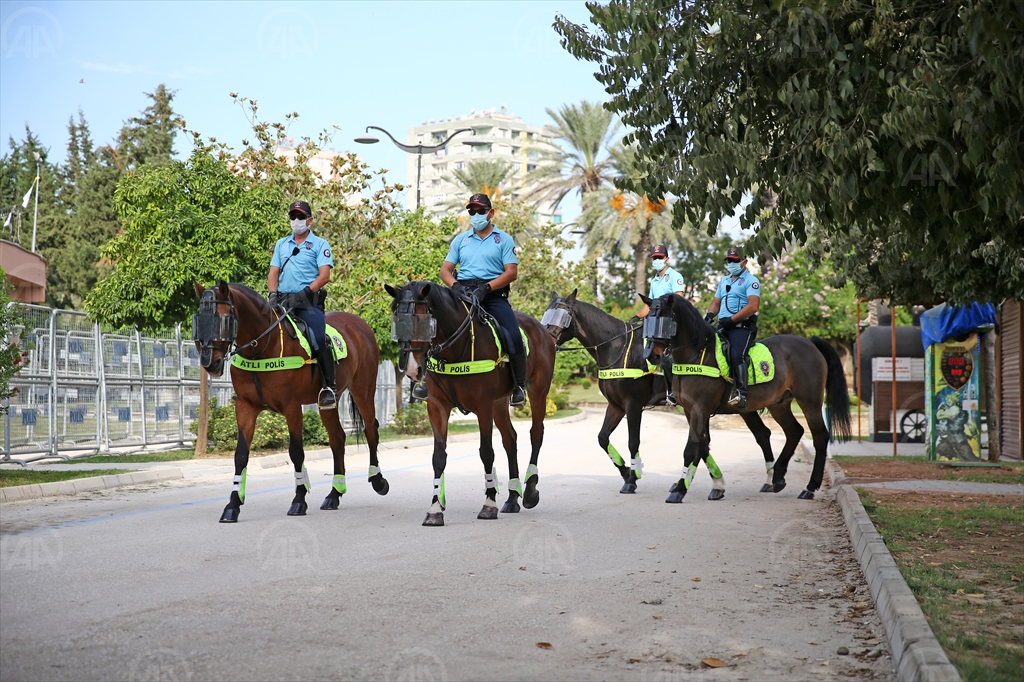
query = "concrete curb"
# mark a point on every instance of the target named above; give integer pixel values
(80, 485)
(916, 652)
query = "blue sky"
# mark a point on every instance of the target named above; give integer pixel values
(350, 64)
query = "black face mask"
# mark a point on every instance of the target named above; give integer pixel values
(210, 327)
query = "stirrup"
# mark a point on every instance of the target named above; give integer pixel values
(737, 400)
(419, 390)
(518, 397)
(327, 400)
(670, 400)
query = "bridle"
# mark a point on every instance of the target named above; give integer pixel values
(216, 331)
(564, 316)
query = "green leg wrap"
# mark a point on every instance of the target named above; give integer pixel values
(373, 471)
(338, 483)
(713, 467)
(636, 466)
(302, 478)
(516, 485)
(239, 484)
(439, 491)
(531, 470)
(688, 479)
(615, 456)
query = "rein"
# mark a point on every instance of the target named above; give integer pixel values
(252, 344)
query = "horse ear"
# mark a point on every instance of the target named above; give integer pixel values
(222, 288)
(554, 295)
(425, 291)
(391, 290)
(571, 298)
(199, 290)
(645, 299)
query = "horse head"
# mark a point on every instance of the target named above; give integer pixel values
(414, 312)
(214, 327)
(660, 327)
(558, 318)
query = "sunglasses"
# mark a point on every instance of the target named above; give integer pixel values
(297, 216)
(479, 211)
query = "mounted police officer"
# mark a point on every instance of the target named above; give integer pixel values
(487, 263)
(736, 303)
(299, 269)
(665, 281)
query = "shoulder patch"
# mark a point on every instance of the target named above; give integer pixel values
(679, 280)
(753, 285)
(497, 238)
(327, 253)
(309, 246)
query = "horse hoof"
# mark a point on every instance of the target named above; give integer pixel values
(488, 513)
(778, 487)
(805, 495)
(434, 519)
(628, 489)
(330, 503)
(531, 497)
(674, 498)
(716, 494)
(767, 488)
(230, 515)
(297, 509)
(381, 486)
(674, 488)
(511, 507)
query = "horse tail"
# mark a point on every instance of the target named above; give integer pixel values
(836, 398)
(357, 417)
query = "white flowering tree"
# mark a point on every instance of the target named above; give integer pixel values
(798, 299)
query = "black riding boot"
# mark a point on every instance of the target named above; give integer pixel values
(518, 363)
(328, 399)
(738, 399)
(419, 389)
(666, 367)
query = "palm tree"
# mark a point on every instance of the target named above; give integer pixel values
(626, 222)
(489, 176)
(587, 130)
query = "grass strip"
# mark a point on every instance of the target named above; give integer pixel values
(9, 477)
(134, 458)
(918, 467)
(963, 559)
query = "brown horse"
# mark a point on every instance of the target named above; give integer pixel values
(808, 371)
(234, 318)
(445, 334)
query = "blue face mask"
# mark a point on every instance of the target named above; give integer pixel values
(734, 268)
(479, 222)
(658, 263)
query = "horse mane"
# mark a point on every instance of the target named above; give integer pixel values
(692, 319)
(249, 293)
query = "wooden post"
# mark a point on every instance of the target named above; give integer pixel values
(988, 346)
(398, 388)
(860, 372)
(202, 431)
(892, 313)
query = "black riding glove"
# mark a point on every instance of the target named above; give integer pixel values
(458, 288)
(710, 318)
(482, 290)
(310, 296)
(727, 322)
(634, 321)
(274, 299)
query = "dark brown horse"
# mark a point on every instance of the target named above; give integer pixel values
(437, 332)
(234, 318)
(624, 380)
(806, 370)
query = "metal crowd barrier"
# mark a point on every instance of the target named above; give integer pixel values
(83, 391)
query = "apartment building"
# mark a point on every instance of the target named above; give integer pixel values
(499, 134)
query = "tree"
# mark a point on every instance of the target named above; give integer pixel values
(489, 176)
(894, 127)
(149, 138)
(626, 222)
(10, 352)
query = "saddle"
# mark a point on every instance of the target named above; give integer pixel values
(299, 330)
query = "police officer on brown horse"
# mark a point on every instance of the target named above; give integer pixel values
(736, 303)
(487, 265)
(299, 269)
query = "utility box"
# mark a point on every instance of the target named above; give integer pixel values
(952, 400)
(911, 421)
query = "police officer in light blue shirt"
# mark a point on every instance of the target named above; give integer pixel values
(736, 303)
(665, 281)
(299, 269)
(487, 265)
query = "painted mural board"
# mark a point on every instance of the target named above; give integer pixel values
(951, 401)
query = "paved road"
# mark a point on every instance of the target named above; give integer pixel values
(145, 584)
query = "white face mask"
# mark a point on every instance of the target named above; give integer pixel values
(299, 226)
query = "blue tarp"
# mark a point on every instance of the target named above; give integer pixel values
(943, 322)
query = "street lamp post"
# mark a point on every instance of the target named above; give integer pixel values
(418, 149)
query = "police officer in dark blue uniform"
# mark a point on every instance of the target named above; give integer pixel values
(486, 258)
(736, 303)
(299, 269)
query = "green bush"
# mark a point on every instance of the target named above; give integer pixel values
(413, 419)
(527, 409)
(271, 429)
(560, 396)
(313, 430)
